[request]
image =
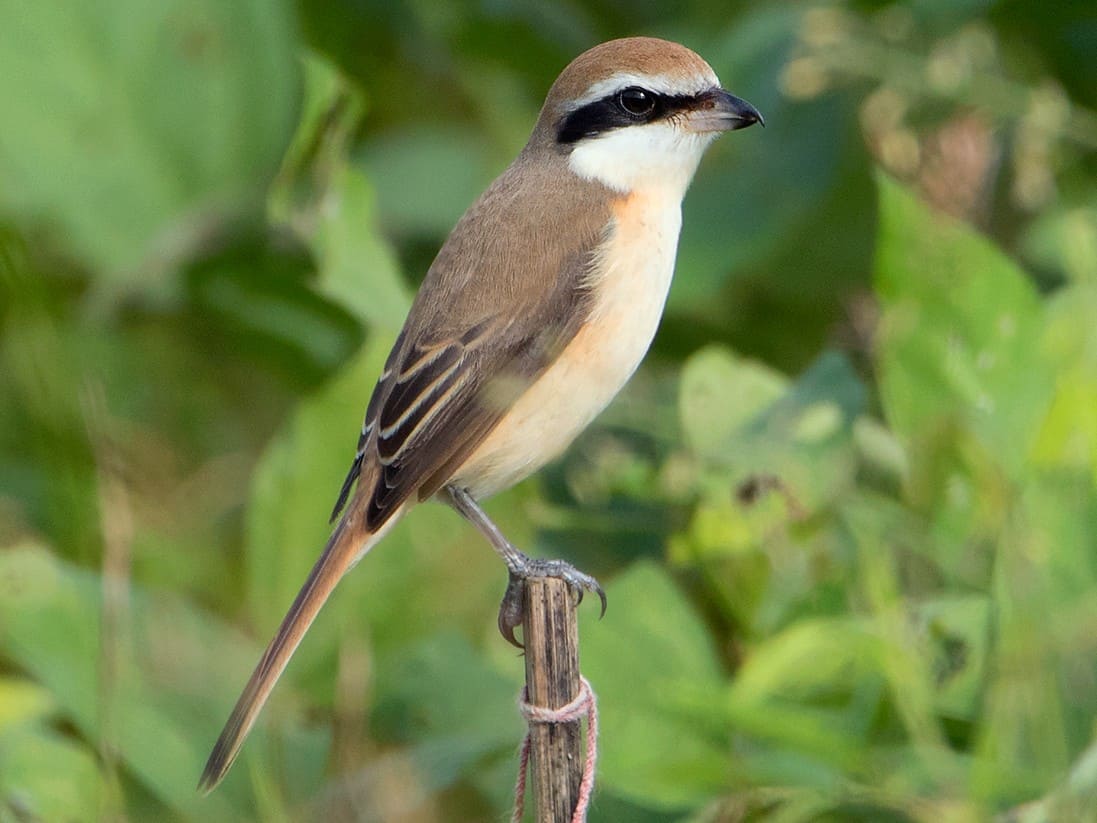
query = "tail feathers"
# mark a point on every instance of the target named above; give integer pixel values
(347, 544)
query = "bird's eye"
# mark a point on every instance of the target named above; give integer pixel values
(636, 102)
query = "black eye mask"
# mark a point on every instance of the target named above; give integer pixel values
(628, 107)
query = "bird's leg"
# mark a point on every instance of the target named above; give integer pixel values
(520, 566)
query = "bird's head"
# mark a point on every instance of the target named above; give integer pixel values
(638, 113)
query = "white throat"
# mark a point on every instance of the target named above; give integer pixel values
(642, 158)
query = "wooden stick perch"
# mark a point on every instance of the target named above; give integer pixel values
(551, 637)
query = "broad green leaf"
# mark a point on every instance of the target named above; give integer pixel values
(450, 704)
(138, 124)
(357, 267)
(442, 685)
(260, 295)
(331, 201)
(331, 111)
(1068, 436)
(807, 659)
(1075, 799)
(50, 626)
(426, 178)
(873, 527)
(146, 707)
(1065, 239)
(750, 420)
(21, 702)
(1035, 713)
(44, 776)
(960, 339)
(44, 431)
(800, 698)
(958, 630)
(720, 392)
(793, 445)
(647, 660)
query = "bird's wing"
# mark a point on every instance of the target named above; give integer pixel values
(500, 302)
(439, 397)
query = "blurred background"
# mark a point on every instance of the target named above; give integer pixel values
(846, 514)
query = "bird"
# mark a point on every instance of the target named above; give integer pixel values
(538, 308)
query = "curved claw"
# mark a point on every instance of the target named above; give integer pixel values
(507, 630)
(589, 584)
(512, 607)
(580, 582)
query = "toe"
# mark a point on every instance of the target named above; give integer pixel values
(602, 597)
(512, 608)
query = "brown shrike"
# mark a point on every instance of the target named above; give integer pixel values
(537, 310)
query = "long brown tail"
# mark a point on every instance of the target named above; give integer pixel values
(347, 544)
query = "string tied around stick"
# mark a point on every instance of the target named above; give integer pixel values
(584, 705)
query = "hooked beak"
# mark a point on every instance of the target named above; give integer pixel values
(718, 110)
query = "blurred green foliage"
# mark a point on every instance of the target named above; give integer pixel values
(846, 513)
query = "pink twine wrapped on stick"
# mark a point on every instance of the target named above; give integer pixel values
(584, 704)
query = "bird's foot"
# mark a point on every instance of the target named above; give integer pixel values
(520, 565)
(522, 568)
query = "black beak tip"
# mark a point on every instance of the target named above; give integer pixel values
(750, 115)
(738, 112)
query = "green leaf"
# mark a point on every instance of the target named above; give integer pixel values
(778, 668)
(747, 418)
(357, 266)
(960, 336)
(138, 121)
(1068, 437)
(647, 660)
(958, 628)
(1035, 714)
(1075, 799)
(144, 707)
(331, 201)
(426, 178)
(794, 444)
(44, 776)
(260, 296)
(331, 112)
(1065, 239)
(49, 617)
(444, 698)
(721, 392)
(800, 699)
(22, 701)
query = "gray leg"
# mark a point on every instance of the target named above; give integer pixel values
(519, 565)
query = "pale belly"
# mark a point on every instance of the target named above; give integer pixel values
(596, 364)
